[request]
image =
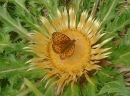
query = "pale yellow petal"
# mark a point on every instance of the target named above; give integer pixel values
(72, 23)
(87, 77)
(47, 24)
(87, 26)
(43, 31)
(82, 20)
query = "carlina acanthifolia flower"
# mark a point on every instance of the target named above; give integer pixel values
(67, 50)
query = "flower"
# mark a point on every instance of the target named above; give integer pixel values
(84, 56)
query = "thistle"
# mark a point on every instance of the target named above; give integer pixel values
(57, 47)
(63, 59)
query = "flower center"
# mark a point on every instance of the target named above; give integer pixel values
(80, 56)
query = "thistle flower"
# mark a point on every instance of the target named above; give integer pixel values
(67, 50)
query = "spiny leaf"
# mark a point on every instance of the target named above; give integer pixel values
(25, 15)
(89, 89)
(21, 3)
(50, 5)
(33, 88)
(119, 22)
(107, 9)
(9, 20)
(4, 41)
(117, 87)
(121, 53)
(69, 92)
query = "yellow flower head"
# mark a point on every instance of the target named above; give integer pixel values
(68, 49)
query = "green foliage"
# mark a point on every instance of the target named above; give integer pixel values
(70, 92)
(15, 24)
(117, 87)
(32, 87)
(18, 19)
(121, 53)
(118, 22)
(4, 41)
(89, 89)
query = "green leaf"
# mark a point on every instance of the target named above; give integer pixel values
(27, 16)
(119, 22)
(6, 18)
(121, 53)
(21, 3)
(89, 89)
(33, 88)
(107, 8)
(4, 41)
(49, 90)
(112, 21)
(50, 5)
(68, 90)
(117, 87)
